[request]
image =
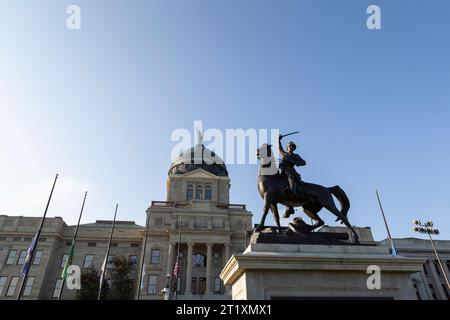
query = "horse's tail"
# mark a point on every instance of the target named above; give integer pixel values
(342, 198)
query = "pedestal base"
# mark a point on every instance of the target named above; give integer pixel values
(288, 271)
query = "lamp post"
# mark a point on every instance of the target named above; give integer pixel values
(166, 290)
(427, 228)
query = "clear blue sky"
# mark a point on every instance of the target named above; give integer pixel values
(98, 105)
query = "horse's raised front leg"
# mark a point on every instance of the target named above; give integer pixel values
(267, 204)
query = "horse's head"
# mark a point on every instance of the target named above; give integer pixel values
(265, 156)
(264, 152)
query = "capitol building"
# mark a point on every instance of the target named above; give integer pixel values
(212, 229)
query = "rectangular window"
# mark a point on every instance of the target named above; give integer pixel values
(189, 192)
(155, 256)
(43, 240)
(114, 244)
(57, 289)
(17, 239)
(2, 238)
(37, 257)
(88, 259)
(135, 245)
(28, 286)
(133, 259)
(152, 285)
(92, 244)
(194, 285)
(217, 285)
(68, 243)
(63, 260)
(201, 285)
(12, 257)
(22, 256)
(27, 239)
(12, 286)
(2, 284)
(208, 192)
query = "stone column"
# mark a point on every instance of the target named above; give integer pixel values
(170, 260)
(208, 267)
(227, 252)
(189, 269)
(227, 257)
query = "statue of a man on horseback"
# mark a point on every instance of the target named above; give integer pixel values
(287, 165)
(287, 188)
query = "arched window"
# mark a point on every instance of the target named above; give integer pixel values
(189, 192)
(198, 192)
(208, 192)
(198, 260)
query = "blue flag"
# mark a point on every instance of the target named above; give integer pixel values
(27, 263)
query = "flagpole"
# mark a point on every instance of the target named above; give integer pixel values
(34, 242)
(142, 264)
(177, 264)
(105, 262)
(70, 257)
(393, 251)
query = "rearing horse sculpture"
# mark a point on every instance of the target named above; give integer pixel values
(274, 189)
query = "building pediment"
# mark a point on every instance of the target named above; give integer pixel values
(199, 173)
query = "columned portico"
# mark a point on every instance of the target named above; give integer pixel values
(210, 230)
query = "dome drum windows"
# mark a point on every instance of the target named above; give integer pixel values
(202, 191)
(189, 192)
(198, 192)
(208, 192)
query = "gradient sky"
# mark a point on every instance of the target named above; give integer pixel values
(98, 105)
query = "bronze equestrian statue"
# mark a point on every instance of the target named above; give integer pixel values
(276, 188)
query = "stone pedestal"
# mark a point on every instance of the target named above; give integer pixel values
(302, 271)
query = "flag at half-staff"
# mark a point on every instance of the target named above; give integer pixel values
(32, 249)
(176, 271)
(30, 253)
(390, 240)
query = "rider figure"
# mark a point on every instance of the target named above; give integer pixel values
(289, 160)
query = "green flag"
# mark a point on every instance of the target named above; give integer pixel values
(65, 274)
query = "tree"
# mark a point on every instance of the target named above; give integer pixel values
(121, 284)
(90, 280)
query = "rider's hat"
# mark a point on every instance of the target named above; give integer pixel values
(292, 144)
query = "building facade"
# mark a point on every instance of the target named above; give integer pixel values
(190, 237)
(196, 223)
(430, 283)
(44, 279)
(196, 228)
